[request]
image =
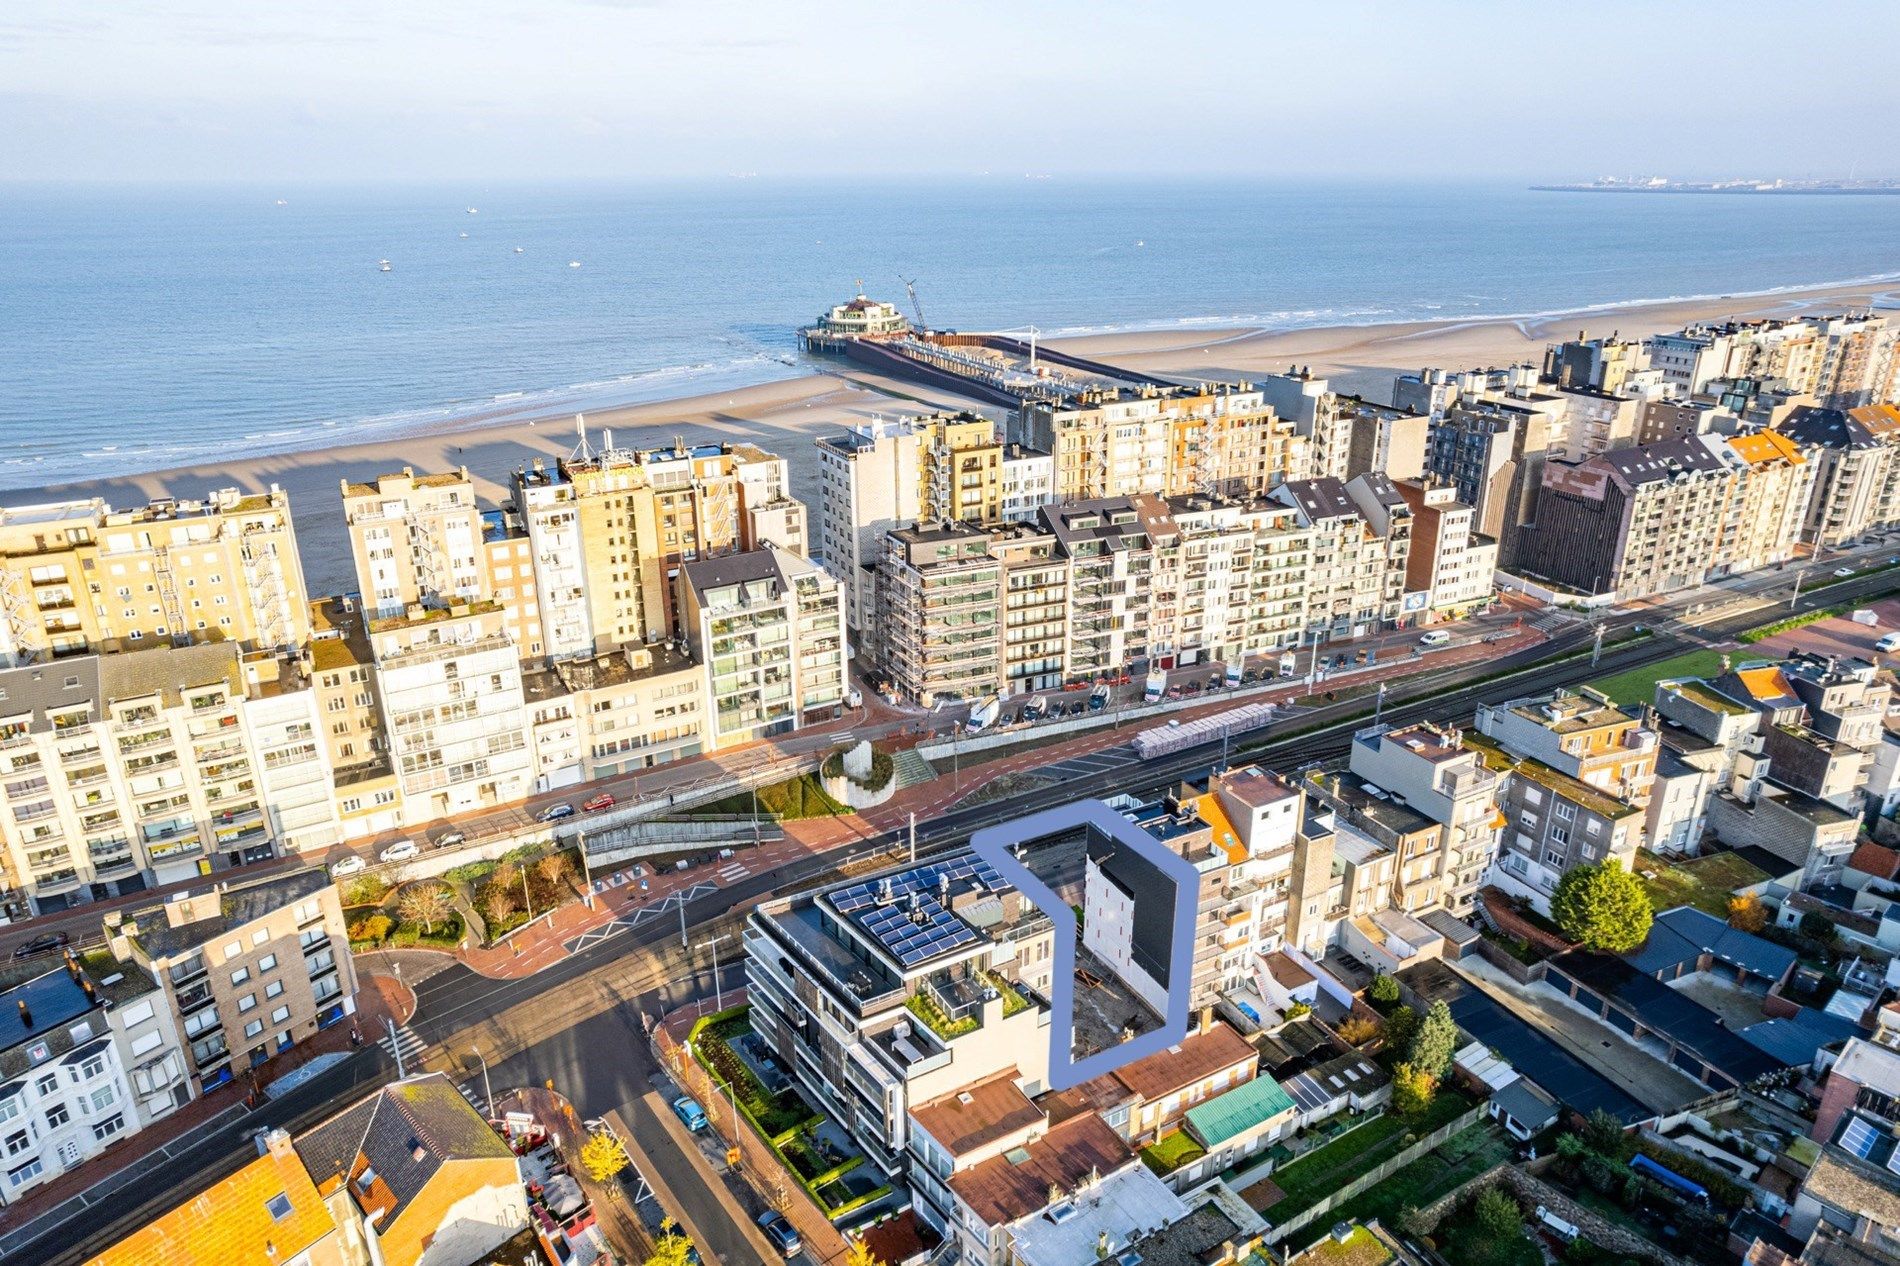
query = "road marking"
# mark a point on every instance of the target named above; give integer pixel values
(404, 1047)
(634, 918)
(733, 872)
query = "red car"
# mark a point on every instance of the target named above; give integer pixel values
(599, 802)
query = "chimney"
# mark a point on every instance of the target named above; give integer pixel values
(1206, 1020)
(26, 1016)
(275, 1143)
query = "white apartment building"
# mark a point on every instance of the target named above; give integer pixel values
(869, 485)
(1029, 483)
(632, 710)
(551, 517)
(292, 761)
(1356, 577)
(450, 684)
(416, 539)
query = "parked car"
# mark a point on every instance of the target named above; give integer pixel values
(783, 1235)
(39, 945)
(691, 1115)
(449, 839)
(351, 865)
(400, 851)
(1437, 637)
(599, 802)
(1843, 572)
(1891, 642)
(555, 812)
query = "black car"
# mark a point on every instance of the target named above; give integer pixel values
(41, 944)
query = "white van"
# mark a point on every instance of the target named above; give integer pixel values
(1437, 637)
(1889, 643)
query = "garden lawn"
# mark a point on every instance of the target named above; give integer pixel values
(1706, 883)
(1638, 685)
(772, 1114)
(1327, 1169)
(1362, 1248)
(1457, 1160)
(1172, 1151)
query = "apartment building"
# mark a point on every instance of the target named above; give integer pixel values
(1605, 362)
(1709, 743)
(1317, 415)
(895, 990)
(1773, 485)
(1427, 772)
(1111, 544)
(615, 714)
(1842, 360)
(247, 969)
(1823, 720)
(342, 671)
(449, 681)
(1493, 454)
(768, 627)
(417, 540)
(1226, 439)
(89, 1055)
(1855, 471)
(1449, 561)
(1237, 573)
(1634, 522)
(283, 724)
(78, 575)
(1360, 540)
(941, 631)
(1384, 440)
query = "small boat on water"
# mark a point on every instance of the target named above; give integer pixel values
(471, 210)
(464, 235)
(382, 265)
(517, 250)
(573, 263)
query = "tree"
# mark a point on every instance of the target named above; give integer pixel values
(1383, 990)
(1436, 1042)
(602, 1156)
(1602, 907)
(1604, 1135)
(554, 869)
(1413, 1090)
(859, 1254)
(1818, 927)
(427, 904)
(374, 928)
(1747, 913)
(1400, 1027)
(1497, 1216)
(1298, 1011)
(1356, 1030)
(499, 902)
(671, 1248)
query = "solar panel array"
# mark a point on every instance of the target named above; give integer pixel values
(884, 909)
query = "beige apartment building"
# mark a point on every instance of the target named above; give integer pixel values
(767, 627)
(248, 969)
(941, 631)
(344, 682)
(1773, 485)
(417, 540)
(1856, 459)
(79, 575)
(1361, 540)
(615, 714)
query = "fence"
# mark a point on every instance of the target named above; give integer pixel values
(1378, 1174)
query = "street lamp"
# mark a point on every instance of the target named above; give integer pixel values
(488, 1091)
(719, 993)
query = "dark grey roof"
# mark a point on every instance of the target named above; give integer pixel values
(1662, 460)
(731, 569)
(406, 1131)
(56, 686)
(1525, 1105)
(238, 905)
(1319, 498)
(54, 999)
(1379, 484)
(1811, 426)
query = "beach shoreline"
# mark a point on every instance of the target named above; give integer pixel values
(784, 415)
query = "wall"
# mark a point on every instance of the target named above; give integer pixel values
(1374, 1177)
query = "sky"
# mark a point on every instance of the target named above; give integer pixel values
(348, 90)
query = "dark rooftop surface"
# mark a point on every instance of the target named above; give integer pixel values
(236, 906)
(1663, 1010)
(52, 999)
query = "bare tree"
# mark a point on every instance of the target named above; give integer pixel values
(427, 904)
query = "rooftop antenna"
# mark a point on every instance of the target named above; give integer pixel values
(583, 452)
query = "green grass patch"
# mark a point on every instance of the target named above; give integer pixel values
(1706, 883)
(1456, 1161)
(1638, 685)
(788, 801)
(927, 1010)
(1172, 1151)
(1361, 1248)
(1321, 1172)
(1763, 632)
(1860, 573)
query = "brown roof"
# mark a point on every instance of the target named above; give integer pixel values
(1016, 1184)
(1197, 1056)
(1286, 973)
(1875, 859)
(980, 1114)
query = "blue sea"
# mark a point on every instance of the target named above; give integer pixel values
(148, 327)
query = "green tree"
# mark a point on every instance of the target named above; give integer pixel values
(1400, 1027)
(1818, 927)
(603, 1156)
(1602, 907)
(1383, 990)
(1497, 1216)
(1604, 1135)
(1413, 1090)
(1436, 1041)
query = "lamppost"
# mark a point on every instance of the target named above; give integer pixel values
(719, 993)
(488, 1091)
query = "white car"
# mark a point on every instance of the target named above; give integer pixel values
(1843, 572)
(1891, 642)
(1437, 637)
(346, 866)
(400, 851)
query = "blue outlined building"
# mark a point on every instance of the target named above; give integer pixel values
(1156, 956)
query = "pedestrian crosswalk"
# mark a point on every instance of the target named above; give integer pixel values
(474, 1096)
(404, 1046)
(733, 872)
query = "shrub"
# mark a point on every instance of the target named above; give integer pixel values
(1747, 913)
(1412, 1091)
(1383, 990)
(1356, 1030)
(1818, 927)
(371, 929)
(1400, 1027)
(365, 890)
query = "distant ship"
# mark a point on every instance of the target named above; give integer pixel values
(1662, 184)
(382, 265)
(471, 210)
(517, 250)
(573, 263)
(464, 235)
(282, 203)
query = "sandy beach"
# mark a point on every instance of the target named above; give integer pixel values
(785, 416)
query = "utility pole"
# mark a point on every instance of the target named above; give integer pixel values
(684, 943)
(394, 1045)
(1378, 705)
(526, 896)
(488, 1091)
(913, 837)
(1596, 645)
(587, 869)
(752, 785)
(1796, 595)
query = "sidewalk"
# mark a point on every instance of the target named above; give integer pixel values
(536, 946)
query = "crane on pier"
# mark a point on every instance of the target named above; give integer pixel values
(916, 305)
(1033, 334)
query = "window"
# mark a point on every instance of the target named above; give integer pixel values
(247, 1003)
(232, 949)
(267, 963)
(253, 1028)
(57, 1115)
(1554, 857)
(48, 1084)
(27, 1172)
(241, 975)
(104, 1097)
(279, 1206)
(260, 936)
(274, 988)
(9, 1108)
(114, 1124)
(92, 1067)
(18, 1142)
(280, 1015)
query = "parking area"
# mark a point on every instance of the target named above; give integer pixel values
(1838, 635)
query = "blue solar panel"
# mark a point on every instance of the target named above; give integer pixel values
(904, 914)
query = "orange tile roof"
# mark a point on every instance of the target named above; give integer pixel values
(1226, 838)
(1765, 683)
(231, 1221)
(1765, 446)
(1878, 418)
